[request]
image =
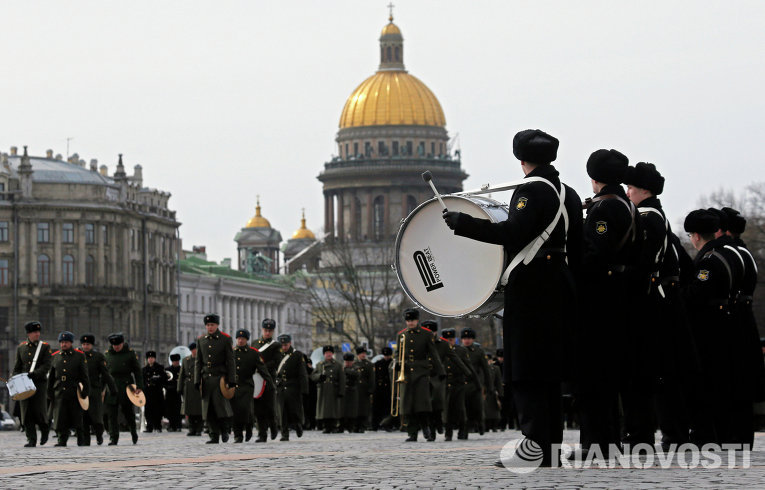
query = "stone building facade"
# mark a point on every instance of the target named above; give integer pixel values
(85, 251)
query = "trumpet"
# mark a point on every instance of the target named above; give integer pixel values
(395, 396)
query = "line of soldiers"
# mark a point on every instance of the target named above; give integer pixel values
(444, 390)
(611, 304)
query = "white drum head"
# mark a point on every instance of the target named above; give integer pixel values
(260, 385)
(445, 274)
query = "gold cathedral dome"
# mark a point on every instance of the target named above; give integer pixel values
(303, 232)
(392, 96)
(258, 221)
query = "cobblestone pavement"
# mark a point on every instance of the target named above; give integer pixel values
(371, 460)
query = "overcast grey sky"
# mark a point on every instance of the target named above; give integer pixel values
(220, 101)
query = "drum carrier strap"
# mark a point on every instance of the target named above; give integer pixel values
(281, 364)
(659, 259)
(527, 253)
(37, 354)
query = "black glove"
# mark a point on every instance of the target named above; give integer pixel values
(323, 378)
(451, 218)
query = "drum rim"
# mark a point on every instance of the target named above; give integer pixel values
(397, 262)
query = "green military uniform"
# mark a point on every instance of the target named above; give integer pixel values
(215, 359)
(494, 394)
(67, 371)
(366, 390)
(265, 406)
(248, 362)
(291, 385)
(330, 383)
(34, 410)
(99, 378)
(125, 370)
(459, 374)
(351, 398)
(420, 360)
(192, 399)
(475, 392)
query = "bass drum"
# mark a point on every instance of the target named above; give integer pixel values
(445, 274)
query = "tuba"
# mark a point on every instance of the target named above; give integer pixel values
(395, 396)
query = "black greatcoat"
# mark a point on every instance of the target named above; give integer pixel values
(707, 299)
(537, 295)
(539, 299)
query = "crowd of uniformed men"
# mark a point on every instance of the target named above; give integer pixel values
(605, 303)
(444, 387)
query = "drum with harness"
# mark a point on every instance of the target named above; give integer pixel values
(454, 276)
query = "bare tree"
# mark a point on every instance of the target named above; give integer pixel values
(356, 281)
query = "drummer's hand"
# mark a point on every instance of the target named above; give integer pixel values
(451, 218)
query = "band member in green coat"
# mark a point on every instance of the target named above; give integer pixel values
(420, 359)
(265, 406)
(291, 386)
(351, 399)
(366, 388)
(248, 362)
(192, 399)
(99, 378)
(459, 373)
(122, 363)
(34, 410)
(68, 379)
(215, 360)
(475, 394)
(330, 378)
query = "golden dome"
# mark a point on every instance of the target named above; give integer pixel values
(303, 232)
(258, 221)
(390, 28)
(392, 97)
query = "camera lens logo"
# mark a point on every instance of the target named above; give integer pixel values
(521, 455)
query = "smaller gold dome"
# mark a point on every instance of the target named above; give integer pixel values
(258, 221)
(390, 28)
(303, 232)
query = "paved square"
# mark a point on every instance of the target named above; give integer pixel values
(371, 460)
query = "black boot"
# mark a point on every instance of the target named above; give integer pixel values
(44, 430)
(30, 444)
(248, 434)
(214, 439)
(134, 436)
(448, 434)
(462, 433)
(62, 437)
(412, 437)
(299, 430)
(274, 430)
(100, 437)
(285, 436)
(238, 438)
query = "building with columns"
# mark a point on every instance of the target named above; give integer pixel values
(242, 300)
(85, 251)
(392, 129)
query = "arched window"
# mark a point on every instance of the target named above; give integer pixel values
(67, 269)
(387, 51)
(43, 270)
(106, 270)
(379, 217)
(90, 271)
(398, 55)
(411, 203)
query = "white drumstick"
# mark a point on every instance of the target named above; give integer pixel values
(428, 177)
